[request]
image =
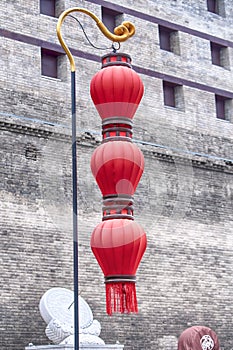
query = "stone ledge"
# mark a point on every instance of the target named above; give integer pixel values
(87, 139)
(71, 347)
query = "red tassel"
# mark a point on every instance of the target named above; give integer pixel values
(121, 297)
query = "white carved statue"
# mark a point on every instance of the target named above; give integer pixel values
(57, 310)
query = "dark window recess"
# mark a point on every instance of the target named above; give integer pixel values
(31, 152)
(48, 7)
(169, 94)
(49, 63)
(217, 53)
(220, 102)
(212, 6)
(109, 18)
(165, 38)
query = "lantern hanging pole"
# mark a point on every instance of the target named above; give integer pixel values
(121, 34)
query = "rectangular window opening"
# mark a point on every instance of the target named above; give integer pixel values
(169, 94)
(49, 63)
(173, 95)
(169, 40)
(48, 7)
(212, 6)
(219, 55)
(223, 107)
(111, 18)
(216, 6)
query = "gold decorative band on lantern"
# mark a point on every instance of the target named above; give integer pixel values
(116, 59)
(117, 128)
(118, 120)
(117, 207)
(120, 278)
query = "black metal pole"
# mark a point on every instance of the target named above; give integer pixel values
(75, 213)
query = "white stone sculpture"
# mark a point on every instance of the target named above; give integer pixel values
(57, 310)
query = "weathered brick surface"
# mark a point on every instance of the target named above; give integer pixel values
(184, 200)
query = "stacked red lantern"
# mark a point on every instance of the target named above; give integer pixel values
(118, 243)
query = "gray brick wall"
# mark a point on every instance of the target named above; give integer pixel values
(184, 200)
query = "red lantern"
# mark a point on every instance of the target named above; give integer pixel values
(116, 90)
(118, 243)
(117, 167)
(118, 246)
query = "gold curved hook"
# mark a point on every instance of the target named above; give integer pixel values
(122, 32)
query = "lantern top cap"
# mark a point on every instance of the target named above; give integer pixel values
(116, 59)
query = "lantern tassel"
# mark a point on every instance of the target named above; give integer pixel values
(121, 297)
